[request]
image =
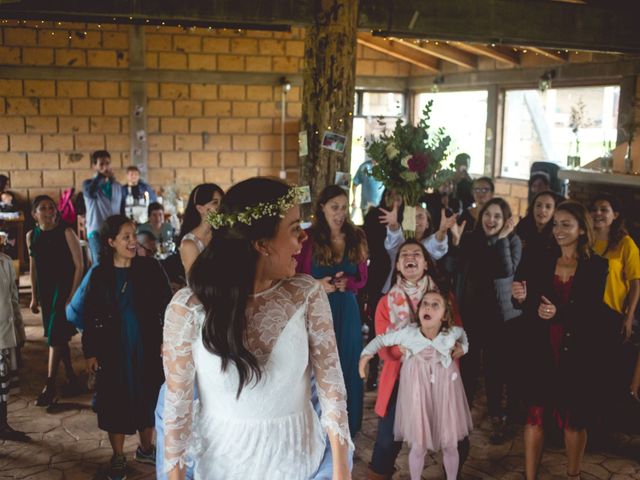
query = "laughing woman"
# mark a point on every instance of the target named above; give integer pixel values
(336, 254)
(487, 259)
(125, 301)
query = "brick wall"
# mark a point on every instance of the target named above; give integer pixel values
(515, 192)
(219, 132)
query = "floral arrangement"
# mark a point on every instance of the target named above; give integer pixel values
(255, 212)
(408, 160)
(577, 120)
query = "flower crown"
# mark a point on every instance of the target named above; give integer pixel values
(255, 212)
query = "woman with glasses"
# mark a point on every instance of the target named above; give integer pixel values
(483, 189)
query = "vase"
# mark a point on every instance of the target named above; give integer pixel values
(573, 159)
(409, 221)
(628, 161)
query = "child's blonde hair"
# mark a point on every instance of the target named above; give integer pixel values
(447, 319)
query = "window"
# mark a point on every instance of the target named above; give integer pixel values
(538, 126)
(464, 117)
(371, 108)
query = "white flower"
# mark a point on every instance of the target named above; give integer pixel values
(405, 161)
(392, 151)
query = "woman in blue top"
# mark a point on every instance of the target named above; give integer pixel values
(336, 254)
(124, 306)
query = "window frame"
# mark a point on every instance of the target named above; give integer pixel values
(503, 89)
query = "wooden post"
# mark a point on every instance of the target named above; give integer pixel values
(328, 90)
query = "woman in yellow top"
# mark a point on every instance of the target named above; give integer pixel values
(613, 242)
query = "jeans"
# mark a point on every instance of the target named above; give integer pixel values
(93, 239)
(386, 448)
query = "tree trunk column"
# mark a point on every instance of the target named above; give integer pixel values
(328, 90)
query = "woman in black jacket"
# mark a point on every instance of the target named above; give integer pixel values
(562, 301)
(123, 314)
(486, 260)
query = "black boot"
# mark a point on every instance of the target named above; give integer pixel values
(8, 433)
(48, 395)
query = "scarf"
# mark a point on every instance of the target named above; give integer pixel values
(401, 312)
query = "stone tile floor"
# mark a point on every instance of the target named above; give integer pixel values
(68, 445)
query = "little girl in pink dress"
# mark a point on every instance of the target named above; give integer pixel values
(432, 412)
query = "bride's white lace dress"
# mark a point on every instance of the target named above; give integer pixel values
(271, 431)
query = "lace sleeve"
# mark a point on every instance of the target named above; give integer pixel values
(326, 365)
(180, 331)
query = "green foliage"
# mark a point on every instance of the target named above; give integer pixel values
(409, 158)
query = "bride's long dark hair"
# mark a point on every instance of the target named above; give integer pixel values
(222, 276)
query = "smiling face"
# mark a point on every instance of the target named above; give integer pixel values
(603, 215)
(124, 244)
(211, 206)
(431, 311)
(411, 263)
(335, 211)
(284, 246)
(481, 192)
(492, 220)
(156, 218)
(46, 214)
(543, 209)
(566, 229)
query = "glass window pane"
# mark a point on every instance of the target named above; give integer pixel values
(539, 126)
(464, 117)
(386, 104)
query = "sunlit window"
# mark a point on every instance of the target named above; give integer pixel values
(556, 124)
(464, 117)
(371, 109)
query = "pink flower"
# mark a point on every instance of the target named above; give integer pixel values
(419, 162)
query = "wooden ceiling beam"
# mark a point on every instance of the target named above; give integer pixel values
(400, 51)
(496, 53)
(599, 26)
(444, 52)
(557, 55)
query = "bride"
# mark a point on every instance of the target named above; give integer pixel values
(249, 333)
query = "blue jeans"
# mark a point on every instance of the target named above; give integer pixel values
(325, 470)
(93, 239)
(386, 448)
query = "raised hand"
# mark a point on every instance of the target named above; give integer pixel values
(456, 232)
(390, 217)
(507, 228)
(446, 223)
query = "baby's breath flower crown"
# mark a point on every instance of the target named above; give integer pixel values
(255, 212)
